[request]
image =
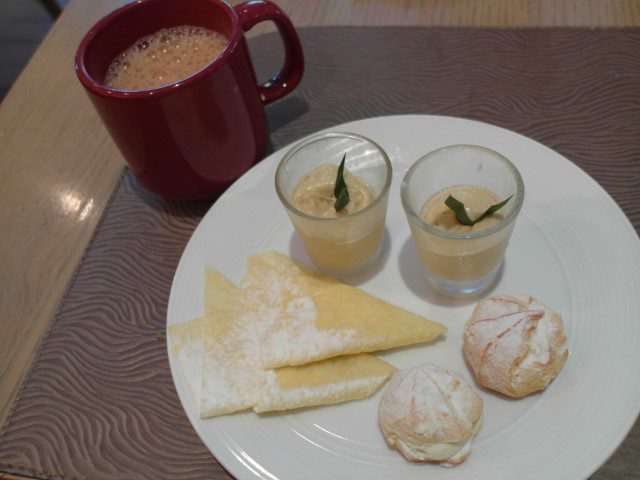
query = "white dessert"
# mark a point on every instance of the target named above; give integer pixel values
(430, 414)
(515, 345)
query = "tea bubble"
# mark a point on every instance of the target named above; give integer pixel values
(165, 57)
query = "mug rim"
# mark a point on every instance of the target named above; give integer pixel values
(97, 88)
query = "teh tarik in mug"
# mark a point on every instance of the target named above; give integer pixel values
(174, 84)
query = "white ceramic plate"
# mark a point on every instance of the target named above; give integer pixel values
(572, 247)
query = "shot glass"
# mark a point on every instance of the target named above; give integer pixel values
(461, 264)
(346, 244)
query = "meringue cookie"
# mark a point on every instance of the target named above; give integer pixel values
(515, 345)
(430, 414)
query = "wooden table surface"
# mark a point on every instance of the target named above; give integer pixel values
(58, 165)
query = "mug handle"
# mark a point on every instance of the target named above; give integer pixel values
(256, 11)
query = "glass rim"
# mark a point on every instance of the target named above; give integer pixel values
(321, 136)
(411, 213)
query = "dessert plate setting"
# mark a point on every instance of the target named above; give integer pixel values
(572, 247)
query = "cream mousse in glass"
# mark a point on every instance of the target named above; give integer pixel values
(461, 259)
(339, 236)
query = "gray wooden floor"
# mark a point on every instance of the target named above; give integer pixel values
(23, 25)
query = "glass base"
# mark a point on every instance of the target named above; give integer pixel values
(463, 289)
(352, 271)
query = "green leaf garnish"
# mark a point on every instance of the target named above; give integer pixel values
(159, 335)
(461, 214)
(342, 200)
(340, 189)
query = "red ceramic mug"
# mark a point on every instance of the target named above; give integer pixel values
(192, 138)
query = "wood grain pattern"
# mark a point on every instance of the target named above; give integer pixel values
(58, 166)
(99, 401)
(57, 170)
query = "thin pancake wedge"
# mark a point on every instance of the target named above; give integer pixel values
(214, 363)
(230, 358)
(188, 347)
(228, 364)
(303, 317)
(219, 293)
(228, 368)
(335, 380)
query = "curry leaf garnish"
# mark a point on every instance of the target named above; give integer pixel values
(340, 189)
(342, 200)
(461, 214)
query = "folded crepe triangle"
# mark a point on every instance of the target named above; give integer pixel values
(218, 354)
(215, 354)
(302, 316)
(188, 347)
(339, 379)
(230, 360)
(220, 295)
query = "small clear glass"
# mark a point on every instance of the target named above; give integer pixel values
(461, 264)
(347, 244)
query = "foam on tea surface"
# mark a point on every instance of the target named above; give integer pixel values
(164, 57)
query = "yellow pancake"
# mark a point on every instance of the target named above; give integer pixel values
(219, 293)
(303, 317)
(219, 357)
(335, 380)
(187, 345)
(230, 351)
